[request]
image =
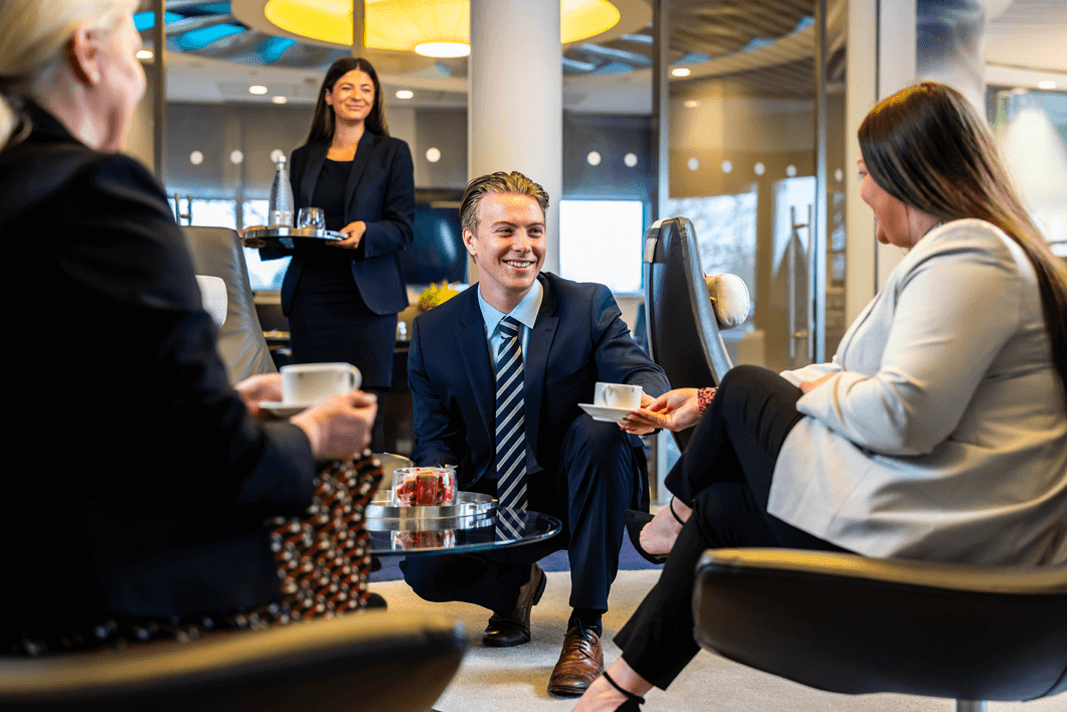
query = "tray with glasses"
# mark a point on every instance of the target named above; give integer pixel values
(287, 236)
(469, 511)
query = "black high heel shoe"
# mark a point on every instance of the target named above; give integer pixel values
(635, 522)
(633, 702)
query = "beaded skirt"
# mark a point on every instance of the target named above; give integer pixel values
(323, 562)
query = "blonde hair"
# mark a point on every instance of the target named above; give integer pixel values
(33, 36)
(498, 182)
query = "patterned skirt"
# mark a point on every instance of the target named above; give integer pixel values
(323, 562)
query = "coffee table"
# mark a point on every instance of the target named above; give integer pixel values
(505, 528)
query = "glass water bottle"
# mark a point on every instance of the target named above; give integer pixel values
(280, 210)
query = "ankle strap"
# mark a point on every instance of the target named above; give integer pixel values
(671, 506)
(630, 695)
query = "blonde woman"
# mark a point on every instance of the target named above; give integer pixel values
(149, 478)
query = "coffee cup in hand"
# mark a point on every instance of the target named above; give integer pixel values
(617, 395)
(306, 384)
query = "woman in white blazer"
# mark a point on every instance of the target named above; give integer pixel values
(938, 431)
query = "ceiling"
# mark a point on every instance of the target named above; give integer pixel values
(765, 45)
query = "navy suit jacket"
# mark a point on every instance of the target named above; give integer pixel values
(150, 480)
(380, 191)
(579, 339)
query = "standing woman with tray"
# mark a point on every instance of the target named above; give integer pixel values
(342, 298)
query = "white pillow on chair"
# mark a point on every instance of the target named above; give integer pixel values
(729, 298)
(213, 295)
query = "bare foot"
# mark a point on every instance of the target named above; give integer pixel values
(657, 537)
(602, 696)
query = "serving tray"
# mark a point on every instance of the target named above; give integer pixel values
(287, 236)
(471, 511)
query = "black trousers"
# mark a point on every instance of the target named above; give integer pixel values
(594, 481)
(725, 476)
(336, 326)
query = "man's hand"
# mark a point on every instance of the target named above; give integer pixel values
(264, 387)
(674, 410)
(340, 426)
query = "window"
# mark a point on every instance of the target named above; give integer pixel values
(601, 241)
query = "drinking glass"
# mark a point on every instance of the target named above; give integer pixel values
(311, 217)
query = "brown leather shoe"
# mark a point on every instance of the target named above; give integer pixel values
(514, 629)
(580, 662)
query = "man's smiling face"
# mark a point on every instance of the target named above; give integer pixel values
(508, 246)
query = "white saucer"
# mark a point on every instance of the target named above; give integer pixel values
(283, 410)
(604, 413)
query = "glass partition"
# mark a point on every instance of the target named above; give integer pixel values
(743, 122)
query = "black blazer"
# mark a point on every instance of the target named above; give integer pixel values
(579, 339)
(380, 192)
(150, 480)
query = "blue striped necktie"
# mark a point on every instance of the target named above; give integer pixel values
(510, 420)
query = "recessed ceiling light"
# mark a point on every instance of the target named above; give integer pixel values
(144, 54)
(443, 49)
(692, 104)
(680, 72)
(405, 94)
(278, 99)
(1047, 84)
(257, 89)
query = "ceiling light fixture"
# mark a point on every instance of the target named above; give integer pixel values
(405, 94)
(278, 99)
(257, 89)
(405, 25)
(1047, 84)
(443, 49)
(144, 54)
(681, 72)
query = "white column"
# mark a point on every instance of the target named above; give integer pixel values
(861, 94)
(515, 102)
(881, 61)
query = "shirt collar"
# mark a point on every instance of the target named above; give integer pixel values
(525, 312)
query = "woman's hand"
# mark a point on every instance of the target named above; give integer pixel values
(807, 386)
(674, 410)
(353, 233)
(340, 426)
(264, 387)
(253, 241)
(634, 427)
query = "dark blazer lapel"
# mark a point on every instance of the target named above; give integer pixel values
(316, 159)
(363, 150)
(474, 351)
(535, 366)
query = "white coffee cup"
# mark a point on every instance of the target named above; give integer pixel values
(310, 383)
(618, 395)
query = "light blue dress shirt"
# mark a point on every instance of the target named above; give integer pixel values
(525, 312)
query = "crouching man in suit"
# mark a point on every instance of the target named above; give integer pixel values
(496, 375)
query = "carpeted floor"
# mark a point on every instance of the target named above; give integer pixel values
(515, 679)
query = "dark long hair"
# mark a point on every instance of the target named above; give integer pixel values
(927, 148)
(323, 122)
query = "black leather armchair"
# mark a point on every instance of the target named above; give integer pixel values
(217, 252)
(683, 329)
(856, 625)
(370, 662)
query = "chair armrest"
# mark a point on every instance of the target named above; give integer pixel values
(855, 625)
(372, 662)
(956, 577)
